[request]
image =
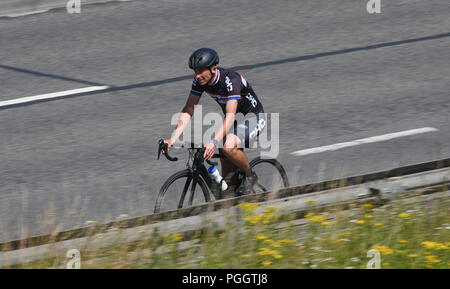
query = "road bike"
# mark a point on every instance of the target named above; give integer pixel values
(194, 185)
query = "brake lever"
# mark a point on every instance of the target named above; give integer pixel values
(164, 146)
(159, 147)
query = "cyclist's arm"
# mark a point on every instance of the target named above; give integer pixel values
(234, 87)
(185, 117)
(230, 115)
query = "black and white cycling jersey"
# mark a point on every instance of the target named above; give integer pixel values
(228, 85)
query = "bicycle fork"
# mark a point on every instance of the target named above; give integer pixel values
(183, 194)
(194, 179)
(194, 184)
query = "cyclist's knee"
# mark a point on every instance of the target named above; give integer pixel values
(231, 144)
(228, 150)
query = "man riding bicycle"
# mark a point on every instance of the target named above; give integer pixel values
(235, 95)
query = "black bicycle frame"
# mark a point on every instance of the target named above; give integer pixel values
(197, 169)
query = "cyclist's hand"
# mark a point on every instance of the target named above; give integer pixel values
(210, 148)
(169, 144)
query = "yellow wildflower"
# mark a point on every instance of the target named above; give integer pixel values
(287, 241)
(266, 263)
(264, 251)
(309, 201)
(267, 251)
(368, 216)
(402, 241)
(248, 207)
(378, 224)
(405, 216)
(360, 222)
(428, 244)
(270, 209)
(367, 206)
(274, 252)
(442, 247)
(245, 255)
(412, 255)
(432, 259)
(278, 256)
(326, 223)
(268, 216)
(343, 234)
(269, 241)
(385, 250)
(434, 245)
(261, 237)
(253, 219)
(401, 251)
(276, 245)
(317, 218)
(177, 237)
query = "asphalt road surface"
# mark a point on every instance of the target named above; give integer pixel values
(333, 72)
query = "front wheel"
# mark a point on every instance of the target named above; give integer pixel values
(271, 175)
(181, 191)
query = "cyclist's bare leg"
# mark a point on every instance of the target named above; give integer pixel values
(234, 154)
(228, 169)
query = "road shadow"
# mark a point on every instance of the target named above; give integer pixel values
(238, 68)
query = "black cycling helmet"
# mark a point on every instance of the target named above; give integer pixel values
(203, 57)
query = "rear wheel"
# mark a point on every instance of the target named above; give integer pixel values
(179, 191)
(271, 175)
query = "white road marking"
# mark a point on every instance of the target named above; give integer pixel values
(13, 15)
(51, 95)
(373, 139)
(46, 8)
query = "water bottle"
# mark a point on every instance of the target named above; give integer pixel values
(217, 177)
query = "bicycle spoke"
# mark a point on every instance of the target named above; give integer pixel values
(261, 186)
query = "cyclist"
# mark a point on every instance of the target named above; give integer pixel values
(235, 95)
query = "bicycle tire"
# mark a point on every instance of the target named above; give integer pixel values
(283, 183)
(162, 196)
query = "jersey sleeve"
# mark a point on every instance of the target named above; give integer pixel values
(234, 86)
(196, 89)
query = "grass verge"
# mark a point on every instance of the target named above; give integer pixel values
(406, 235)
